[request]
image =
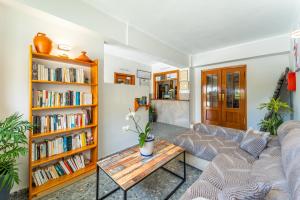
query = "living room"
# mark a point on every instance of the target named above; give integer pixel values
(159, 98)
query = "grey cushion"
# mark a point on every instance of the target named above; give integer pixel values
(253, 143)
(253, 191)
(291, 161)
(285, 127)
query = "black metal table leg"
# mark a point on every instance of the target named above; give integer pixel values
(125, 194)
(97, 184)
(184, 167)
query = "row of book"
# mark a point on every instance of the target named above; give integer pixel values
(48, 123)
(60, 145)
(45, 98)
(67, 166)
(71, 75)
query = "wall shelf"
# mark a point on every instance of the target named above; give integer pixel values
(137, 105)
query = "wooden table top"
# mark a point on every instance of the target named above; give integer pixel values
(128, 167)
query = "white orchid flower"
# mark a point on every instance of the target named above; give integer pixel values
(130, 115)
(126, 128)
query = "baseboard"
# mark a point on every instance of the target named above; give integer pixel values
(196, 162)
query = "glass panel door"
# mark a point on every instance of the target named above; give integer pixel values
(233, 89)
(212, 90)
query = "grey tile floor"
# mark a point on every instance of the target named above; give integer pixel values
(155, 187)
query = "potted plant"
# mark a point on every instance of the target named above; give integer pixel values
(13, 143)
(152, 114)
(276, 108)
(146, 140)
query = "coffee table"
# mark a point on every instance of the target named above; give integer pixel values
(127, 168)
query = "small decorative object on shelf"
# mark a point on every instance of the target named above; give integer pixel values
(146, 140)
(140, 102)
(42, 43)
(83, 57)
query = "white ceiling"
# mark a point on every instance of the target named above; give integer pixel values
(193, 26)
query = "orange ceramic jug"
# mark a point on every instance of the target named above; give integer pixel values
(83, 57)
(42, 43)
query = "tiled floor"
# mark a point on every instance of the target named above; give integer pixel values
(156, 186)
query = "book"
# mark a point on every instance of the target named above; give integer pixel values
(65, 166)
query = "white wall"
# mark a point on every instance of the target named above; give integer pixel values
(114, 64)
(109, 27)
(265, 59)
(262, 76)
(117, 101)
(18, 28)
(263, 47)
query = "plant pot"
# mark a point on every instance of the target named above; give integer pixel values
(4, 193)
(147, 149)
(42, 43)
(83, 57)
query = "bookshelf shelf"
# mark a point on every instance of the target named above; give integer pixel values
(62, 107)
(92, 150)
(42, 161)
(52, 133)
(62, 59)
(63, 179)
(62, 83)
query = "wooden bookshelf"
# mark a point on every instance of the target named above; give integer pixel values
(69, 130)
(54, 184)
(62, 107)
(137, 105)
(63, 83)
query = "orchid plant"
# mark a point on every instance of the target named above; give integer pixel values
(144, 134)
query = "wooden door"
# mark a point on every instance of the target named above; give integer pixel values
(211, 102)
(224, 97)
(234, 97)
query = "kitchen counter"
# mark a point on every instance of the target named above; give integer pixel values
(175, 112)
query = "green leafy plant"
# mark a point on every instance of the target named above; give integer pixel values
(13, 143)
(144, 134)
(276, 109)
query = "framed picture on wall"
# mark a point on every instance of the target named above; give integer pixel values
(143, 74)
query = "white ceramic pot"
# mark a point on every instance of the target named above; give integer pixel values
(147, 149)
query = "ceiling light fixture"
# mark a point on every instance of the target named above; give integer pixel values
(296, 34)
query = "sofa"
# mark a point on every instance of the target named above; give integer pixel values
(273, 175)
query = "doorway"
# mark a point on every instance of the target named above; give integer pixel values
(223, 97)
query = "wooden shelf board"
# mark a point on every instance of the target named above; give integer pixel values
(42, 161)
(61, 59)
(63, 179)
(41, 135)
(140, 106)
(62, 107)
(62, 83)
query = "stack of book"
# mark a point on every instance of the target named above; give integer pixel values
(45, 98)
(71, 75)
(60, 144)
(67, 166)
(48, 123)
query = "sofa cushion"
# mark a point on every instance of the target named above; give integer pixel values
(254, 143)
(208, 146)
(225, 170)
(269, 169)
(285, 127)
(291, 161)
(226, 133)
(201, 188)
(274, 151)
(253, 191)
